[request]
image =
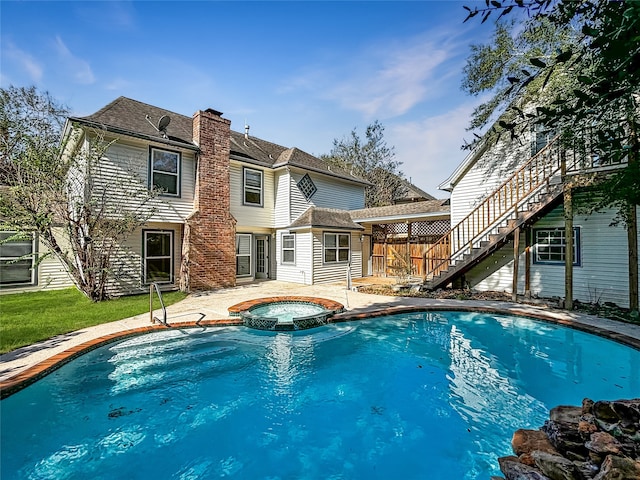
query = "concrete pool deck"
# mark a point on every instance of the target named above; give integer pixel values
(27, 364)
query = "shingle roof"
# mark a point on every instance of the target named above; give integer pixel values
(131, 117)
(316, 217)
(414, 209)
(413, 193)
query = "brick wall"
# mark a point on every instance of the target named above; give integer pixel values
(209, 260)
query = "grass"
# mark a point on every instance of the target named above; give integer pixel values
(27, 318)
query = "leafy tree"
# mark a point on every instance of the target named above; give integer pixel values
(56, 189)
(579, 62)
(371, 159)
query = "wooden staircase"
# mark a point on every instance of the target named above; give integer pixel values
(523, 198)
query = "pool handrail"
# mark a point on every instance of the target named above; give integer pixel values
(153, 319)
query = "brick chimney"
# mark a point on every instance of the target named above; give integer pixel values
(209, 255)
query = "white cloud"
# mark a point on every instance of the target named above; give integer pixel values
(386, 80)
(25, 61)
(430, 148)
(79, 69)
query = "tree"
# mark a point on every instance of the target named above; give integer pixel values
(585, 83)
(56, 189)
(370, 159)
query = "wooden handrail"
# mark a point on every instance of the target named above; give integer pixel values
(506, 199)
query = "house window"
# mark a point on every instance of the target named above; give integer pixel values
(307, 187)
(243, 254)
(541, 136)
(336, 247)
(165, 171)
(288, 248)
(550, 246)
(158, 256)
(252, 187)
(17, 259)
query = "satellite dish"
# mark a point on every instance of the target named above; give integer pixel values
(164, 122)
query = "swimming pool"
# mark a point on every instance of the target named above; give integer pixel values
(420, 395)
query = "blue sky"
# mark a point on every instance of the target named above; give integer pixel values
(299, 73)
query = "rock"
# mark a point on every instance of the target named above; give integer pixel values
(526, 441)
(602, 442)
(628, 412)
(604, 413)
(565, 414)
(556, 466)
(618, 468)
(566, 437)
(587, 406)
(514, 470)
(587, 469)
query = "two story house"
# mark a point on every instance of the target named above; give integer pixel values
(232, 207)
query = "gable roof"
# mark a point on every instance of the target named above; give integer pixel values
(315, 217)
(464, 167)
(412, 193)
(130, 117)
(428, 209)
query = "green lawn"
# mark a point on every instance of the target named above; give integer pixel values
(26, 318)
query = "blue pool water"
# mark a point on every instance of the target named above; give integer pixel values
(426, 395)
(287, 311)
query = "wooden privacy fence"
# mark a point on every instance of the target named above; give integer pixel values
(398, 248)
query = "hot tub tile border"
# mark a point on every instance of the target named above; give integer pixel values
(247, 305)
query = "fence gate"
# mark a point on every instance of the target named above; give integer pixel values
(398, 247)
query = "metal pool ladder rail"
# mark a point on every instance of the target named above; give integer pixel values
(164, 309)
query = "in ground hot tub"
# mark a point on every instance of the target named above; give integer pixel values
(286, 313)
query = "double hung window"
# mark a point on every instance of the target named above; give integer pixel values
(165, 171)
(336, 247)
(158, 256)
(288, 248)
(243, 254)
(253, 187)
(17, 259)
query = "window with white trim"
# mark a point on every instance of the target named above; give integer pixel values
(243, 254)
(165, 171)
(336, 247)
(288, 248)
(252, 187)
(17, 259)
(158, 256)
(550, 245)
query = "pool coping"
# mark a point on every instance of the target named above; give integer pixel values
(33, 373)
(247, 305)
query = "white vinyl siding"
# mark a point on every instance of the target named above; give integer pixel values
(602, 275)
(337, 271)
(331, 193)
(302, 270)
(125, 167)
(250, 217)
(487, 174)
(129, 260)
(282, 198)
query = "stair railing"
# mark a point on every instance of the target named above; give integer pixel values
(505, 201)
